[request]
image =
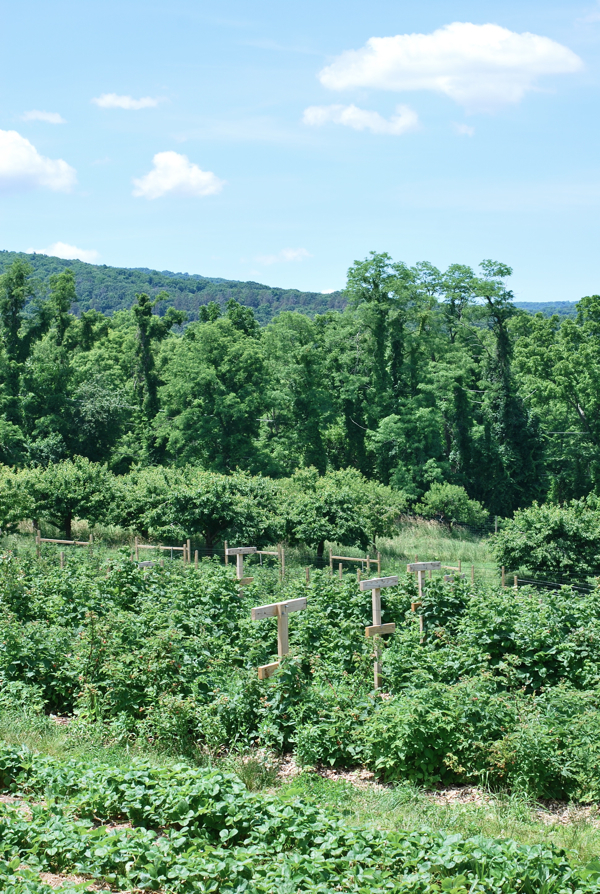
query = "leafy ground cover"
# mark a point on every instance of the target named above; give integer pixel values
(181, 828)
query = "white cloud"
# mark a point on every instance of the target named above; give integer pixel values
(328, 291)
(465, 130)
(22, 166)
(67, 252)
(404, 120)
(176, 174)
(479, 66)
(48, 117)
(284, 256)
(115, 101)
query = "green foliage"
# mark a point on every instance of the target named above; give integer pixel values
(499, 688)
(552, 542)
(200, 829)
(450, 503)
(111, 289)
(72, 489)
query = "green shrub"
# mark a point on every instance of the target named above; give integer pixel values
(552, 542)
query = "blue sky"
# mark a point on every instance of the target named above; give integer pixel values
(279, 142)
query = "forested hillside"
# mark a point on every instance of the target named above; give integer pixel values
(108, 289)
(427, 379)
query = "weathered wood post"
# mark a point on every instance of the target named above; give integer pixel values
(239, 552)
(281, 611)
(420, 568)
(196, 560)
(375, 584)
(330, 561)
(340, 570)
(189, 552)
(307, 574)
(226, 555)
(38, 544)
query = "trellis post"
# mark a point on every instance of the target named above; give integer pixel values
(377, 629)
(420, 568)
(281, 611)
(239, 552)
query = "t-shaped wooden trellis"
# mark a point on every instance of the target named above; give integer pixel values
(239, 552)
(420, 568)
(378, 629)
(279, 610)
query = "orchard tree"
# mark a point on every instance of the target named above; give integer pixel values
(67, 490)
(450, 504)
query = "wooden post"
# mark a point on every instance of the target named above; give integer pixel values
(62, 559)
(162, 563)
(279, 610)
(368, 564)
(196, 560)
(340, 570)
(496, 525)
(420, 568)
(378, 629)
(379, 564)
(91, 545)
(429, 574)
(503, 580)
(38, 543)
(189, 552)
(416, 558)
(358, 574)
(516, 584)
(472, 574)
(239, 552)
(330, 561)
(137, 551)
(307, 574)
(226, 553)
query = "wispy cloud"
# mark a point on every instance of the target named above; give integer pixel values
(175, 174)
(479, 66)
(403, 121)
(116, 101)
(592, 16)
(67, 252)
(285, 256)
(47, 117)
(23, 167)
(464, 130)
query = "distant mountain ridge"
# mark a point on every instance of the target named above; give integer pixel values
(109, 289)
(549, 308)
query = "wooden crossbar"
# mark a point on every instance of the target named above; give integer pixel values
(279, 610)
(68, 542)
(376, 583)
(149, 546)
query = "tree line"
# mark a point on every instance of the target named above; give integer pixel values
(427, 381)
